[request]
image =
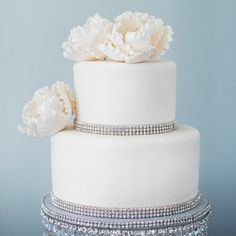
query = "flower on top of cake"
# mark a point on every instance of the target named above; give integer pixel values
(82, 43)
(136, 37)
(49, 111)
(133, 37)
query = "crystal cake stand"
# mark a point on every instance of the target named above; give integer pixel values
(61, 222)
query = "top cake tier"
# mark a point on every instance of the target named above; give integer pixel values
(113, 93)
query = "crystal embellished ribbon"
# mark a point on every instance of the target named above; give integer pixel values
(125, 129)
(125, 213)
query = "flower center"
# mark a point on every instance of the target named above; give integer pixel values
(129, 26)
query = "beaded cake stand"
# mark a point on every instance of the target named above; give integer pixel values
(190, 220)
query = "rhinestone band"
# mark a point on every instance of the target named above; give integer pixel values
(125, 213)
(191, 221)
(125, 129)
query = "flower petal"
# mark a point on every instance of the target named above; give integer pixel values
(111, 52)
(141, 56)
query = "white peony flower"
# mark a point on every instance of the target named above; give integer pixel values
(136, 37)
(82, 44)
(49, 111)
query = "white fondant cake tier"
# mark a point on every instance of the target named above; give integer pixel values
(125, 94)
(130, 171)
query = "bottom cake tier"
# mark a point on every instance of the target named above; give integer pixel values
(126, 171)
(58, 221)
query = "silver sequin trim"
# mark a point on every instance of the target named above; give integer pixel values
(125, 213)
(125, 129)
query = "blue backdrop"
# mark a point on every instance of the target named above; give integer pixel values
(30, 57)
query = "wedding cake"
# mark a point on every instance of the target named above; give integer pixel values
(125, 167)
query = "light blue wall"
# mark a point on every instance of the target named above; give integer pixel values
(31, 32)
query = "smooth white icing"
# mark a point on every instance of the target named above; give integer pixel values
(130, 171)
(122, 94)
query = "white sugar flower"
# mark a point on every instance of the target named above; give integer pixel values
(49, 111)
(82, 44)
(136, 37)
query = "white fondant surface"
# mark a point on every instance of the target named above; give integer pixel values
(126, 171)
(124, 94)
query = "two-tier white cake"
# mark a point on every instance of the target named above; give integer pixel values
(125, 170)
(125, 167)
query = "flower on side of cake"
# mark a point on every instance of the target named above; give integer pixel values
(132, 37)
(49, 111)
